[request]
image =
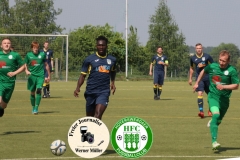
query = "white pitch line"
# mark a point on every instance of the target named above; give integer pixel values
(157, 156)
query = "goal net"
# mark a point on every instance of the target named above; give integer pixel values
(58, 43)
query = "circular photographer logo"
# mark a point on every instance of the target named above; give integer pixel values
(88, 137)
(131, 137)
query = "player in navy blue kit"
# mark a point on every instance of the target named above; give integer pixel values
(49, 60)
(101, 69)
(159, 61)
(198, 62)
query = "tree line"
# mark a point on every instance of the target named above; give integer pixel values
(39, 17)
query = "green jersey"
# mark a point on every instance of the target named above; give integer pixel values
(224, 76)
(9, 62)
(35, 63)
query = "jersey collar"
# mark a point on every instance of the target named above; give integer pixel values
(101, 56)
(159, 55)
(199, 56)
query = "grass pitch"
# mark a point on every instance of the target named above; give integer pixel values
(178, 132)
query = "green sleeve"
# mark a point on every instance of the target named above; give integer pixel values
(234, 77)
(207, 68)
(19, 60)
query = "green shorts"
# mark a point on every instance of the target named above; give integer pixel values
(220, 103)
(6, 90)
(35, 82)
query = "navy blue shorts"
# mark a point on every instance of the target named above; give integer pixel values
(203, 86)
(93, 99)
(158, 78)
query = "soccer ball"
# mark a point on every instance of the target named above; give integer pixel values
(58, 147)
(119, 137)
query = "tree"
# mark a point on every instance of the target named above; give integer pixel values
(35, 17)
(163, 31)
(232, 48)
(4, 12)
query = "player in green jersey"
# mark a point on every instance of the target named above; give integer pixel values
(223, 79)
(10, 65)
(35, 62)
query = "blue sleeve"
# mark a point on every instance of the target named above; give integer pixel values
(85, 66)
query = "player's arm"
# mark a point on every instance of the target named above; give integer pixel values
(233, 86)
(19, 70)
(52, 65)
(80, 82)
(200, 76)
(113, 76)
(191, 71)
(48, 70)
(150, 69)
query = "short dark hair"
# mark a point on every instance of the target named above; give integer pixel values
(102, 38)
(198, 44)
(225, 53)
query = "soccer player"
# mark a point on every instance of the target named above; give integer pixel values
(101, 79)
(223, 79)
(159, 61)
(35, 62)
(199, 61)
(49, 60)
(11, 64)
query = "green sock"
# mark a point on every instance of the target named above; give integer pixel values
(38, 99)
(214, 127)
(32, 99)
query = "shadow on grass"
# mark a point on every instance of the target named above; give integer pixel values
(224, 149)
(53, 97)
(48, 112)
(19, 132)
(107, 152)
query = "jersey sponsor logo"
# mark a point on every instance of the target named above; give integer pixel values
(2, 64)
(202, 64)
(216, 79)
(109, 61)
(10, 57)
(34, 63)
(226, 73)
(103, 69)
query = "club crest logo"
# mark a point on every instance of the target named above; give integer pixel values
(10, 57)
(39, 56)
(226, 73)
(203, 58)
(131, 137)
(88, 137)
(109, 61)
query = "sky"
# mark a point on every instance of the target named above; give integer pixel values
(210, 22)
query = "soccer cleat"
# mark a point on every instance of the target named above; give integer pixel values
(1, 112)
(155, 97)
(35, 110)
(201, 114)
(215, 146)
(44, 96)
(158, 98)
(209, 113)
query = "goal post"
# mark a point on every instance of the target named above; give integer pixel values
(44, 35)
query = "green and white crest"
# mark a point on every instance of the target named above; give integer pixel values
(131, 137)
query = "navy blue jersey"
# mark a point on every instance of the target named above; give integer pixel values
(200, 62)
(49, 57)
(155, 61)
(99, 69)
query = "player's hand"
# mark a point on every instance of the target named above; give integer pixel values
(48, 79)
(150, 73)
(11, 74)
(220, 87)
(76, 92)
(190, 82)
(27, 72)
(113, 88)
(195, 87)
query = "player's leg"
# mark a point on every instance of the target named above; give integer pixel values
(200, 91)
(214, 122)
(31, 86)
(155, 85)
(160, 82)
(39, 84)
(206, 89)
(90, 104)
(101, 105)
(5, 95)
(45, 84)
(48, 89)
